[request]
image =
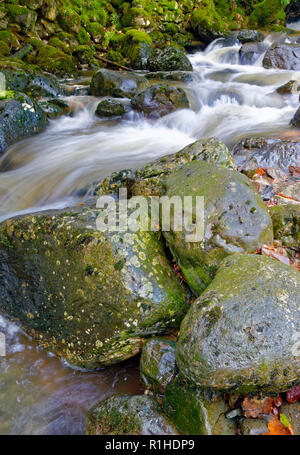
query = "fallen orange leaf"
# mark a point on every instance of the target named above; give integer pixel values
(277, 428)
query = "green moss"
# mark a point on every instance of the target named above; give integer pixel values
(10, 38)
(4, 48)
(83, 36)
(55, 61)
(267, 12)
(58, 44)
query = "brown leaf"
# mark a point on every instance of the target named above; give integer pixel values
(277, 428)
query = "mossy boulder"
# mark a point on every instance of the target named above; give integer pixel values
(288, 88)
(206, 23)
(195, 411)
(110, 107)
(286, 224)
(22, 16)
(159, 100)
(149, 180)
(20, 117)
(117, 84)
(235, 219)
(128, 415)
(157, 366)
(241, 333)
(85, 54)
(137, 46)
(4, 49)
(28, 79)
(69, 20)
(168, 59)
(284, 56)
(55, 61)
(55, 107)
(87, 295)
(267, 12)
(10, 39)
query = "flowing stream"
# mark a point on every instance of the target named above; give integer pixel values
(38, 393)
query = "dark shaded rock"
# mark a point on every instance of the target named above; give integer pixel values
(117, 84)
(157, 366)
(287, 88)
(169, 59)
(195, 411)
(296, 119)
(54, 107)
(235, 220)
(240, 334)
(253, 427)
(286, 224)
(87, 295)
(20, 117)
(110, 107)
(250, 52)
(247, 36)
(27, 79)
(128, 415)
(252, 153)
(283, 56)
(149, 180)
(159, 100)
(292, 412)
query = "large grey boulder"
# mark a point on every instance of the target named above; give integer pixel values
(242, 333)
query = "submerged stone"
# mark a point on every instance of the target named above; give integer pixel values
(128, 415)
(110, 107)
(242, 333)
(86, 295)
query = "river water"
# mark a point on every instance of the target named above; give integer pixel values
(38, 393)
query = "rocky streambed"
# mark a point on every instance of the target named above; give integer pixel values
(216, 321)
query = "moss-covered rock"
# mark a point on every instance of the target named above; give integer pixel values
(21, 15)
(54, 107)
(4, 48)
(286, 224)
(157, 366)
(19, 117)
(55, 61)
(69, 20)
(128, 415)
(87, 295)
(110, 107)
(149, 180)
(267, 12)
(10, 39)
(206, 23)
(22, 77)
(117, 84)
(137, 46)
(195, 411)
(235, 219)
(292, 412)
(168, 59)
(241, 333)
(85, 54)
(159, 100)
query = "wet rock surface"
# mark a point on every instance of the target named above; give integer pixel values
(249, 52)
(157, 366)
(117, 84)
(283, 56)
(89, 296)
(110, 107)
(241, 333)
(168, 59)
(286, 224)
(160, 100)
(128, 415)
(195, 411)
(20, 116)
(235, 220)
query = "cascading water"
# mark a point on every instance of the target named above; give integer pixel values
(39, 394)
